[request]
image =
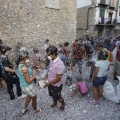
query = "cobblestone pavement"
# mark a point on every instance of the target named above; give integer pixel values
(78, 108)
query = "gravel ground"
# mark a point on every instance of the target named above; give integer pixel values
(77, 108)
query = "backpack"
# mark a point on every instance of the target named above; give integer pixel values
(78, 54)
(110, 57)
(2, 69)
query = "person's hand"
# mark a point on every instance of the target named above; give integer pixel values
(85, 58)
(44, 78)
(46, 84)
(92, 79)
(15, 71)
(37, 70)
(72, 96)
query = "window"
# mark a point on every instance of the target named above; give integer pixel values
(119, 10)
(102, 1)
(102, 13)
(52, 4)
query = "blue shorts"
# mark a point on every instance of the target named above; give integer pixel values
(99, 81)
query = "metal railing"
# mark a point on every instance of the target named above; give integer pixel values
(105, 21)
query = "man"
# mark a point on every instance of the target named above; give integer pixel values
(10, 74)
(88, 48)
(75, 43)
(77, 56)
(54, 77)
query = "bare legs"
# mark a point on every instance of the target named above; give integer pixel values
(34, 103)
(3, 83)
(98, 92)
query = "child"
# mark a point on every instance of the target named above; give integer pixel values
(81, 86)
(69, 73)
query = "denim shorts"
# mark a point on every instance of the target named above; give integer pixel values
(99, 81)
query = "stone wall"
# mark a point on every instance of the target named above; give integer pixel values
(82, 20)
(30, 22)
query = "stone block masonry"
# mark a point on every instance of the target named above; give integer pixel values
(30, 22)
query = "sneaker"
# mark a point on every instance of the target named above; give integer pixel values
(93, 101)
(23, 111)
(22, 96)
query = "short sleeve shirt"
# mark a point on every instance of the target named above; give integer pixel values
(56, 67)
(103, 66)
(7, 63)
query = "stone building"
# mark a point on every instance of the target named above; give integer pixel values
(97, 19)
(34, 21)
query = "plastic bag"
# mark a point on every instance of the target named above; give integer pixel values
(114, 52)
(42, 83)
(41, 74)
(109, 92)
(118, 88)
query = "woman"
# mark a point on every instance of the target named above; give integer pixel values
(37, 58)
(100, 75)
(26, 79)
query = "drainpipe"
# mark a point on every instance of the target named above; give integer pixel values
(88, 15)
(116, 14)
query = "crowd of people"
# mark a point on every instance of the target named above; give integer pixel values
(58, 59)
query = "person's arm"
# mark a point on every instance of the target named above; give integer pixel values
(5, 64)
(9, 69)
(26, 75)
(72, 53)
(58, 78)
(85, 54)
(46, 76)
(67, 54)
(108, 68)
(95, 73)
(74, 93)
(72, 69)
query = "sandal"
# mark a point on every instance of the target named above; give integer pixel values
(54, 105)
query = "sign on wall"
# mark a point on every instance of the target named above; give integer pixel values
(52, 4)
